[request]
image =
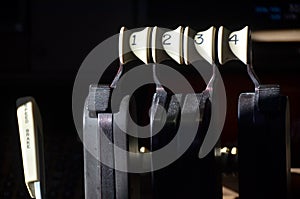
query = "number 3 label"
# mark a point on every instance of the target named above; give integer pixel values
(199, 38)
(204, 43)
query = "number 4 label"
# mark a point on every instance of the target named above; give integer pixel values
(233, 38)
(238, 43)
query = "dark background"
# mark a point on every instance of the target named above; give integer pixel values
(43, 43)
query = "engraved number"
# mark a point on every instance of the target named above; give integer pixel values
(234, 39)
(166, 37)
(133, 42)
(199, 39)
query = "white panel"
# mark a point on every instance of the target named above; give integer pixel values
(139, 43)
(205, 44)
(238, 42)
(172, 43)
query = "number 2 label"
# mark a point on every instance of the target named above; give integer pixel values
(166, 38)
